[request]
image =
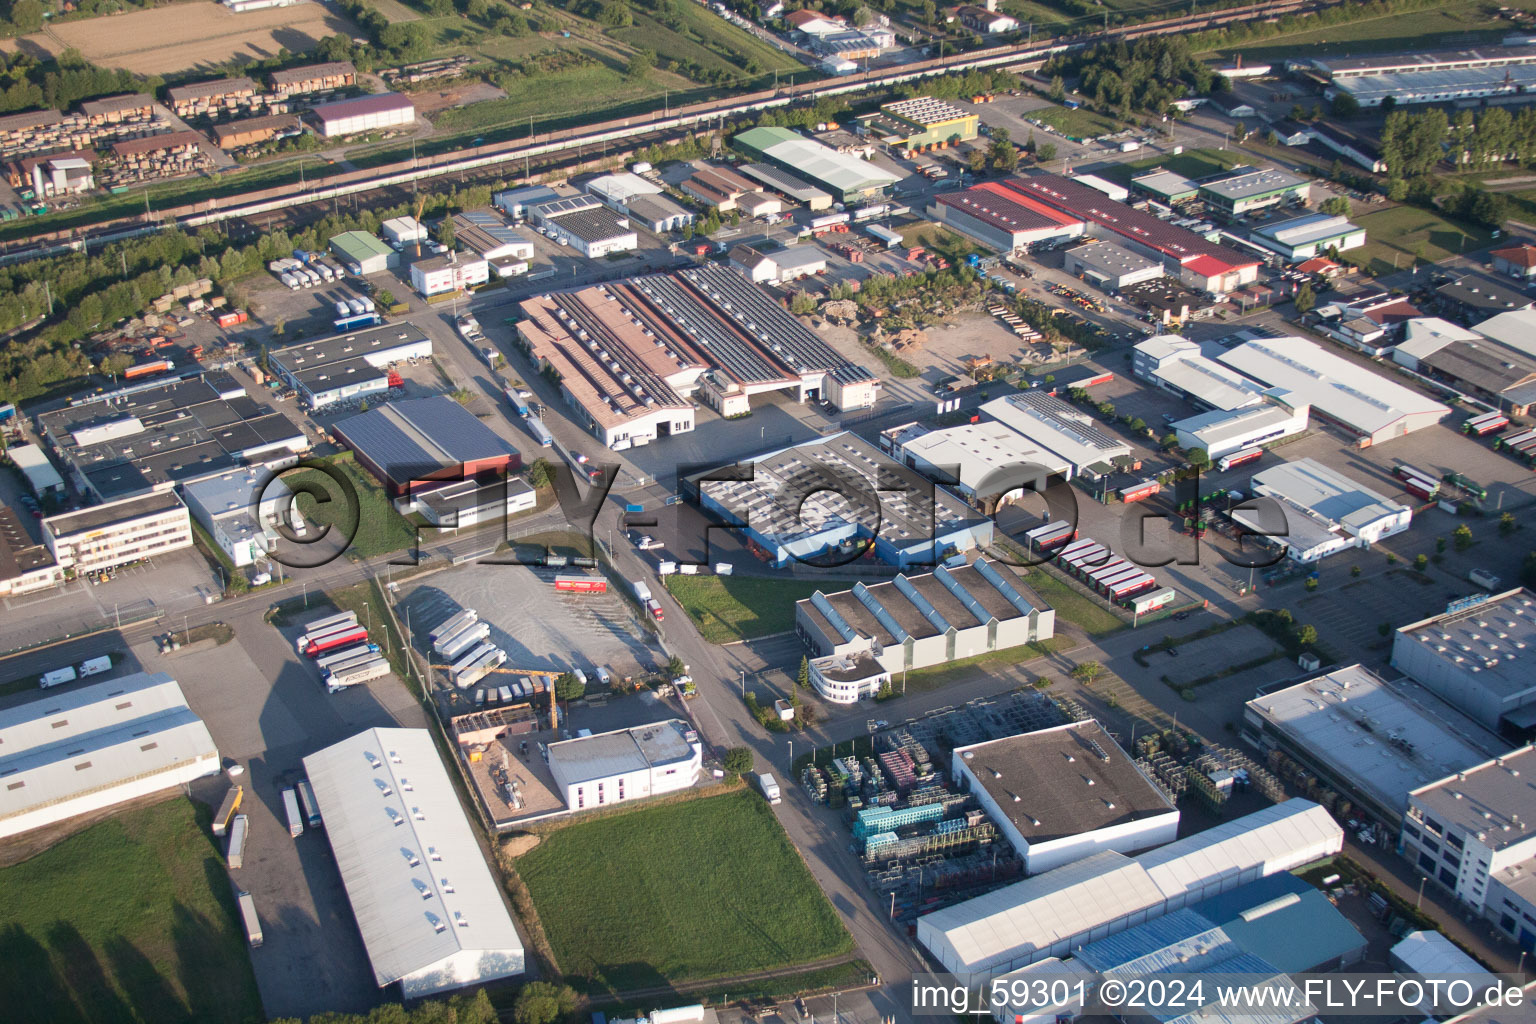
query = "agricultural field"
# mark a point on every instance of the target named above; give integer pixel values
(676, 893)
(1395, 238)
(731, 608)
(131, 920)
(1453, 23)
(187, 36)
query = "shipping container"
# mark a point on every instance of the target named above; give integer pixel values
(1487, 423)
(448, 640)
(451, 625)
(582, 584)
(328, 633)
(292, 813)
(641, 590)
(345, 665)
(505, 693)
(228, 809)
(462, 641)
(1139, 492)
(95, 666)
(148, 368)
(308, 804)
(235, 852)
(57, 677)
(345, 655)
(251, 921)
(519, 403)
(342, 309)
(332, 641)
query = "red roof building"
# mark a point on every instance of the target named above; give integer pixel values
(1518, 261)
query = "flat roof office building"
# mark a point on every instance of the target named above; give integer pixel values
(118, 532)
(348, 366)
(979, 461)
(1110, 267)
(1060, 429)
(240, 510)
(626, 764)
(1249, 189)
(1176, 364)
(1302, 238)
(415, 444)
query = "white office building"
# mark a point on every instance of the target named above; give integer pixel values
(119, 532)
(1060, 429)
(455, 272)
(1325, 511)
(1052, 914)
(431, 914)
(1224, 431)
(465, 503)
(240, 510)
(626, 764)
(986, 462)
(1062, 794)
(83, 748)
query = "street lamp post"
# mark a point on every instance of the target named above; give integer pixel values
(743, 674)
(1419, 901)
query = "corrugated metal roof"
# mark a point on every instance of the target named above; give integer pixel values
(420, 435)
(416, 878)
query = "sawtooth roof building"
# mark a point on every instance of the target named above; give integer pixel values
(1057, 912)
(72, 751)
(422, 442)
(1344, 392)
(151, 438)
(432, 916)
(1201, 264)
(860, 636)
(839, 499)
(632, 351)
(1061, 794)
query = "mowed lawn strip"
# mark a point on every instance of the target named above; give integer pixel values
(680, 892)
(731, 608)
(132, 919)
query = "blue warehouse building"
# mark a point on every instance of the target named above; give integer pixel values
(828, 502)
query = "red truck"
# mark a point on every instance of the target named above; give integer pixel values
(338, 638)
(655, 610)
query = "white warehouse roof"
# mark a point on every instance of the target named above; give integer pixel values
(619, 189)
(1056, 912)
(1056, 426)
(431, 914)
(1335, 387)
(94, 746)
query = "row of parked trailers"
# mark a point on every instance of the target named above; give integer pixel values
(341, 649)
(1519, 443)
(1485, 424)
(463, 641)
(1417, 482)
(1096, 565)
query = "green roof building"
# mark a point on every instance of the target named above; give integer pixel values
(849, 178)
(363, 253)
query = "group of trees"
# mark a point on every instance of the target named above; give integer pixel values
(1413, 143)
(465, 1008)
(27, 82)
(1147, 75)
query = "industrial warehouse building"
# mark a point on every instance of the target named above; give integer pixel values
(834, 500)
(1354, 397)
(33, 464)
(334, 74)
(582, 223)
(626, 764)
(1369, 740)
(1201, 264)
(1302, 238)
(150, 438)
(787, 185)
(1247, 190)
(69, 752)
(1224, 431)
(1470, 833)
(859, 637)
(253, 131)
(1248, 931)
(432, 916)
(1110, 267)
(986, 463)
(118, 532)
(922, 121)
(363, 254)
(1003, 218)
(1053, 914)
(377, 112)
(239, 509)
(849, 179)
(1473, 657)
(402, 231)
(410, 445)
(632, 351)
(1061, 429)
(1176, 364)
(1062, 794)
(465, 503)
(506, 248)
(1325, 511)
(349, 365)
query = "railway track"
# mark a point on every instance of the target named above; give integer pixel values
(550, 147)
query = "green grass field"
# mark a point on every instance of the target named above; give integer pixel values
(731, 608)
(1395, 238)
(131, 920)
(380, 528)
(1071, 605)
(1076, 124)
(1192, 163)
(1468, 22)
(676, 893)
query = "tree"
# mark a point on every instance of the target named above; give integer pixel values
(978, 161)
(1199, 458)
(472, 1008)
(1240, 131)
(444, 232)
(737, 761)
(27, 15)
(1045, 153)
(1138, 425)
(639, 65)
(541, 1002)
(1462, 537)
(1507, 523)
(1170, 440)
(1344, 106)
(1086, 672)
(930, 12)
(540, 474)
(568, 687)
(803, 679)
(1005, 157)
(1420, 562)
(1306, 298)
(385, 297)
(1058, 89)
(1335, 206)
(675, 666)
(1306, 635)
